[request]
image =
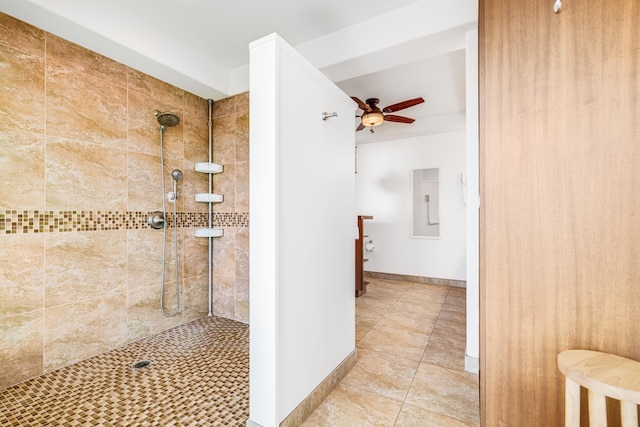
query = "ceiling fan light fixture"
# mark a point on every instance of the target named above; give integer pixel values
(372, 119)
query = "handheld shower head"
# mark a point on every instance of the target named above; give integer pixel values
(176, 174)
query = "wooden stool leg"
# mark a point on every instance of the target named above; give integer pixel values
(597, 410)
(629, 414)
(572, 404)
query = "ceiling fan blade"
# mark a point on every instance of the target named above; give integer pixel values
(360, 127)
(402, 105)
(361, 104)
(398, 119)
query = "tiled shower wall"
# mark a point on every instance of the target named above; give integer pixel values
(80, 162)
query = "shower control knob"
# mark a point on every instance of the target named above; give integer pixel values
(156, 220)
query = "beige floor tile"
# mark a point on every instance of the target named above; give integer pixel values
(408, 305)
(373, 302)
(362, 328)
(446, 392)
(428, 292)
(370, 314)
(413, 416)
(395, 341)
(447, 313)
(387, 375)
(423, 323)
(445, 353)
(385, 289)
(348, 406)
(451, 328)
(395, 284)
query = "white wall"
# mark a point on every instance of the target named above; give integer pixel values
(473, 205)
(303, 223)
(383, 189)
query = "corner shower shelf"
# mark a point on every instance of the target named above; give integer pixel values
(208, 167)
(209, 197)
(209, 232)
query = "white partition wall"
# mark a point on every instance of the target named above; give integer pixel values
(473, 206)
(303, 224)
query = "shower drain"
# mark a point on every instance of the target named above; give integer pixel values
(141, 364)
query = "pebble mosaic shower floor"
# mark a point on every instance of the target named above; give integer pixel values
(199, 375)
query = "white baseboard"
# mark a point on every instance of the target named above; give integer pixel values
(471, 364)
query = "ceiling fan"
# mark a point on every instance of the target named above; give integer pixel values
(372, 116)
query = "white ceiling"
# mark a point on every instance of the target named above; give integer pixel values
(392, 50)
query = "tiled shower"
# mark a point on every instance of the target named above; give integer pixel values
(79, 172)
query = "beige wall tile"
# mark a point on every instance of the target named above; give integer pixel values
(84, 265)
(157, 89)
(242, 300)
(173, 140)
(84, 176)
(77, 331)
(144, 258)
(242, 187)
(144, 190)
(144, 317)
(196, 128)
(23, 358)
(101, 153)
(170, 257)
(70, 55)
(242, 252)
(85, 108)
(196, 294)
(195, 254)
(22, 165)
(242, 137)
(224, 139)
(22, 91)
(193, 183)
(224, 253)
(225, 184)
(242, 102)
(224, 298)
(224, 107)
(21, 36)
(195, 106)
(22, 273)
(196, 138)
(169, 166)
(144, 129)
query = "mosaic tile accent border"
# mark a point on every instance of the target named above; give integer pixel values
(21, 222)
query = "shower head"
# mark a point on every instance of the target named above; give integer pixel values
(167, 119)
(176, 174)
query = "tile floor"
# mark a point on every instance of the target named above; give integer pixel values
(199, 376)
(410, 340)
(410, 371)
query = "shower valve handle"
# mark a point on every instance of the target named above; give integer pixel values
(156, 220)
